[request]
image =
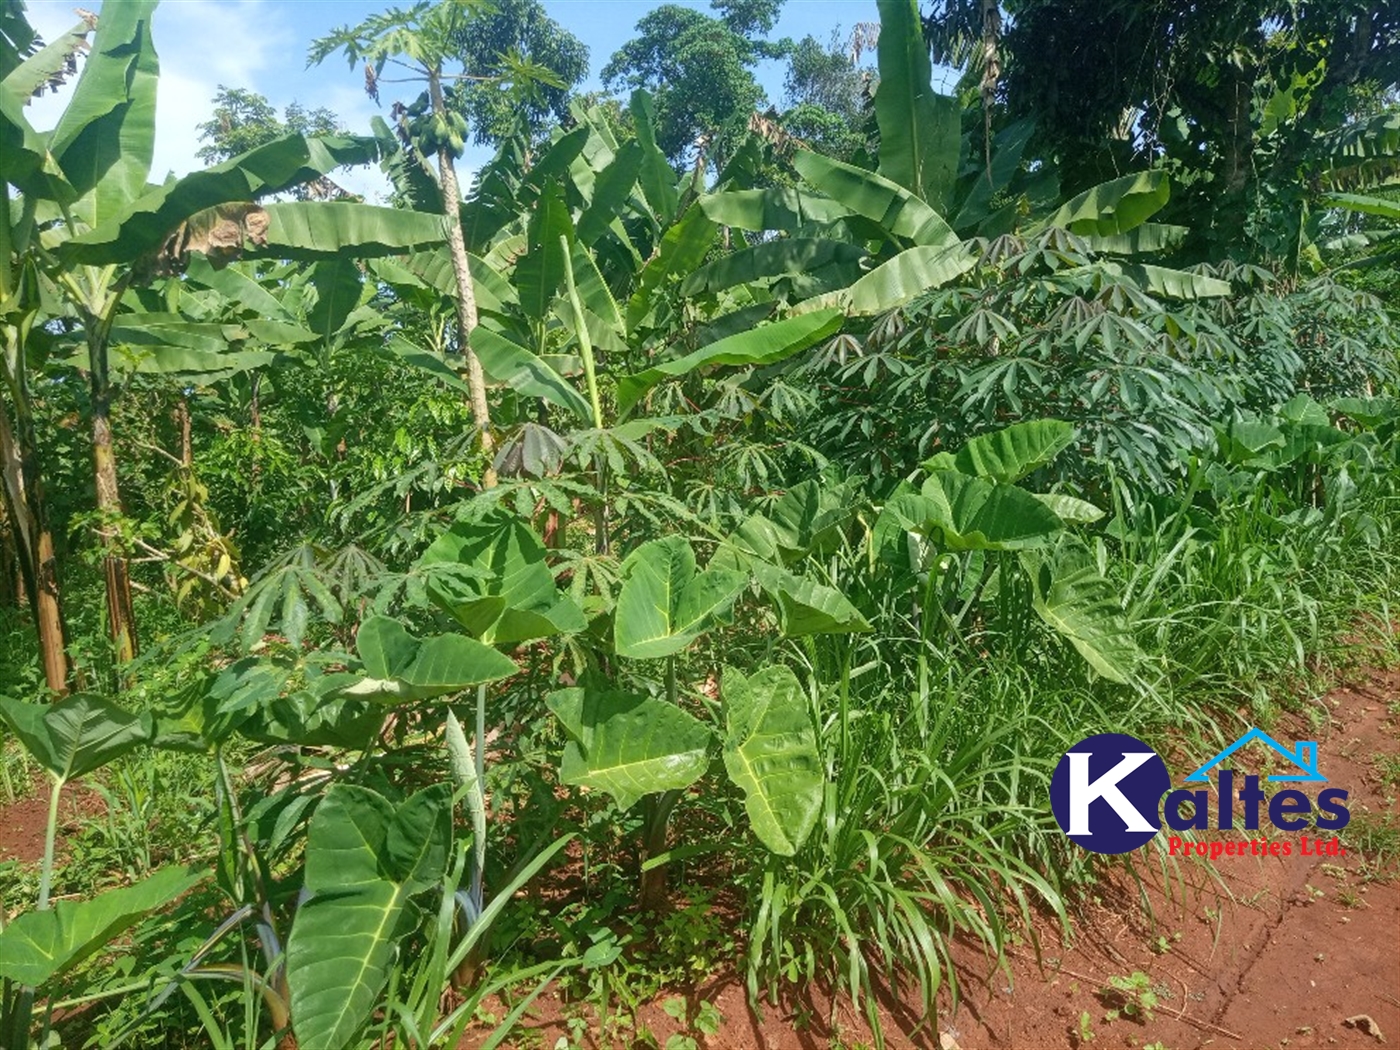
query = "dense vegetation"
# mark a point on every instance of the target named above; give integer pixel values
(715, 521)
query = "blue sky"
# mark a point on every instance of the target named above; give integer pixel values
(261, 45)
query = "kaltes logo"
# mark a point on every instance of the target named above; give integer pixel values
(1111, 793)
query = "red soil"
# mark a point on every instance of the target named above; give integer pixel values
(1255, 952)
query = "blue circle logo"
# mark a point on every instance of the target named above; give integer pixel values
(1106, 791)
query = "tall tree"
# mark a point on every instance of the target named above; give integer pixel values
(420, 39)
(826, 94)
(243, 120)
(1232, 98)
(699, 69)
(523, 29)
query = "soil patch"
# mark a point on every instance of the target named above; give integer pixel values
(1244, 952)
(23, 822)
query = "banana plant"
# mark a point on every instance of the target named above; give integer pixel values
(90, 228)
(869, 241)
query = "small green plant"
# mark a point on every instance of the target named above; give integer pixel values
(1387, 770)
(1131, 997)
(1163, 943)
(1086, 1028)
(705, 1021)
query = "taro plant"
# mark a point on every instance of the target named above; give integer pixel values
(971, 532)
(70, 739)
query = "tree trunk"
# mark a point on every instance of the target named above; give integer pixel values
(466, 294)
(121, 618)
(24, 504)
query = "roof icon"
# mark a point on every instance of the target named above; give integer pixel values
(1304, 756)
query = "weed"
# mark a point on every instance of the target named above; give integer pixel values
(1376, 838)
(1086, 1028)
(1132, 997)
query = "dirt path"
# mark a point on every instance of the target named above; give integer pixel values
(1278, 952)
(1247, 953)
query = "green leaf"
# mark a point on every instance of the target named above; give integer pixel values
(657, 177)
(785, 208)
(808, 518)
(1081, 605)
(402, 667)
(1113, 207)
(806, 607)
(976, 514)
(338, 958)
(1013, 452)
(629, 745)
(144, 223)
(835, 262)
(887, 203)
(321, 229)
(338, 289)
(665, 604)
(540, 271)
(105, 139)
(611, 192)
(1160, 280)
(418, 841)
(400, 349)
(39, 945)
(681, 251)
(909, 274)
(518, 368)
(25, 160)
(1070, 510)
(507, 593)
(770, 752)
(346, 839)
(78, 734)
(760, 346)
(920, 131)
(237, 287)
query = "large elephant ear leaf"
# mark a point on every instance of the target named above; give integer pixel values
(1081, 605)
(770, 752)
(629, 745)
(418, 841)
(807, 519)
(665, 604)
(807, 607)
(76, 735)
(401, 667)
(343, 938)
(39, 945)
(1011, 453)
(977, 514)
(492, 578)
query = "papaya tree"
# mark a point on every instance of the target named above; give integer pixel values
(420, 39)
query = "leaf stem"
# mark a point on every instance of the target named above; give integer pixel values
(50, 832)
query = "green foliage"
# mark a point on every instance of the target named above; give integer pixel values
(842, 485)
(520, 28)
(700, 69)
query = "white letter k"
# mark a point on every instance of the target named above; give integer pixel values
(1082, 793)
